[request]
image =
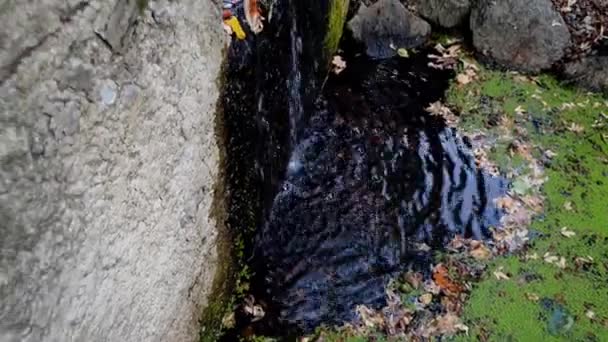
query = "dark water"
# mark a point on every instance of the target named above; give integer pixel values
(343, 182)
(372, 174)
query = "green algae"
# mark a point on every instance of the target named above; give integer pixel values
(336, 20)
(576, 196)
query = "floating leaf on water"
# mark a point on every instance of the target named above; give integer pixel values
(402, 52)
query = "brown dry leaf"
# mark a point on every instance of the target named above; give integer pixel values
(521, 148)
(481, 252)
(506, 202)
(369, 317)
(463, 79)
(535, 203)
(447, 325)
(448, 58)
(532, 296)
(439, 109)
(415, 279)
(442, 279)
(567, 233)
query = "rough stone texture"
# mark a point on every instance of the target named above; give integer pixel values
(590, 72)
(445, 13)
(528, 35)
(108, 162)
(386, 26)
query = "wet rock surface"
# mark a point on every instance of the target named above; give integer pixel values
(445, 13)
(387, 26)
(520, 34)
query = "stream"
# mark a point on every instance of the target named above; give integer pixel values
(339, 188)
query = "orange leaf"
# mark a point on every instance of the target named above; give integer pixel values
(442, 279)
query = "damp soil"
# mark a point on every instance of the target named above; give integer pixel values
(334, 211)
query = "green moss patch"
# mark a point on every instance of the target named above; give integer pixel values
(568, 128)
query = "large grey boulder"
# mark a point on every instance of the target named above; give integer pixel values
(590, 72)
(386, 26)
(108, 165)
(527, 35)
(445, 13)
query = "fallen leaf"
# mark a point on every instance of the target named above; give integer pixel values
(567, 106)
(426, 299)
(551, 259)
(481, 252)
(532, 256)
(519, 110)
(576, 128)
(567, 233)
(590, 314)
(463, 79)
(447, 325)
(402, 52)
(550, 154)
(415, 279)
(338, 64)
(568, 206)
(442, 279)
(500, 275)
(561, 263)
(439, 109)
(532, 296)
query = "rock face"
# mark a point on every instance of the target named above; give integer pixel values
(386, 26)
(108, 164)
(445, 13)
(590, 72)
(528, 35)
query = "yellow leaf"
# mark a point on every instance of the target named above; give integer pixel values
(235, 25)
